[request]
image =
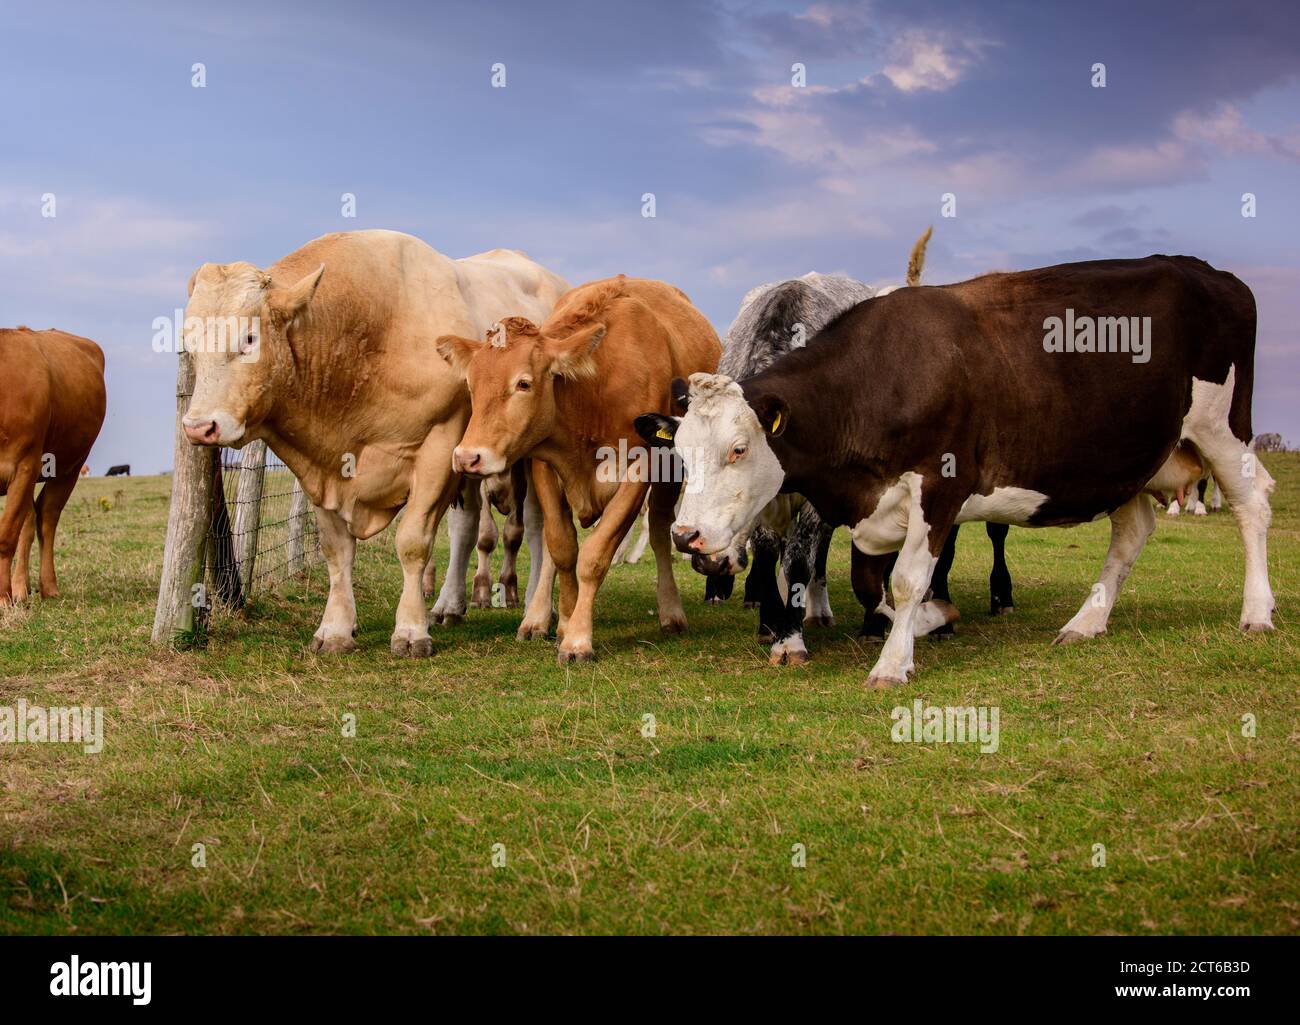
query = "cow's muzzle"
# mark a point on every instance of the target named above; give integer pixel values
(201, 432)
(687, 539)
(721, 564)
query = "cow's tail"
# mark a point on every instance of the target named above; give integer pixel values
(916, 262)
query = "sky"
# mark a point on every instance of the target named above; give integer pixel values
(754, 178)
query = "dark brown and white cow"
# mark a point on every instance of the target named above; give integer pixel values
(1041, 398)
(773, 321)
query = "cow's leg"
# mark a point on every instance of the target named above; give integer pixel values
(717, 589)
(338, 627)
(756, 584)
(49, 507)
(462, 528)
(20, 583)
(1216, 503)
(939, 579)
(561, 545)
(1246, 484)
(1130, 526)
(538, 611)
(415, 532)
(658, 522)
(486, 544)
(643, 538)
(819, 598)
(593, 563)
(620, 555)
(1000, 579)
(870, 573)
(512, 538)
(1198, 509)
(434, 486)
(909, 582)
(762, 589)
(796, 563)
(18, 510)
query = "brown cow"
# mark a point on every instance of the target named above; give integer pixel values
(51, 410)
(566, 395)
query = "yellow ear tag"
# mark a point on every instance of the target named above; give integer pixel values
(776, 423)
(663, 433)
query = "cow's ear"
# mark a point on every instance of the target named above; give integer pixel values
(291, 301)
(193, 278)
(772, 413)
(657, 430)
(681, 393)
(457, 351)
(571, 356)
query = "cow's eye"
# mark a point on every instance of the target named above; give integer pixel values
(523, 384)
(737, 451)
(249, 342)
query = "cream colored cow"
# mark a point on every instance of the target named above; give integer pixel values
(329, 356)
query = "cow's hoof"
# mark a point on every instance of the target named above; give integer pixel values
(875, 682)
(942, 633)
(512, 596)
(480, 603)
(675, 625)
(1070, 637)
(712, 601)
(1001, 610)
(871, 637)
(566, 655)
(531, 633)
(448, 618)
(421, 647)
(332, 645)
(820, 620)
(788, 658)
(751, 604)
(1256, 628)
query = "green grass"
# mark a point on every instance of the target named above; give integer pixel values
(1132, 741)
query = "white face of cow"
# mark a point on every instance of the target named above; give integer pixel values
(731, 470)
(236, 323)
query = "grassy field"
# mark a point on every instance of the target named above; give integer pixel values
(1133, 741)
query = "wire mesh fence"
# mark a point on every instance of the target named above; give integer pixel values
(263, 531)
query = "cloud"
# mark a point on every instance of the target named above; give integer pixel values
(921, 60)
(1224, 130)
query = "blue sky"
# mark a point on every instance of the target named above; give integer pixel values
(754, 179)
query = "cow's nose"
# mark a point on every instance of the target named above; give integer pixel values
(204, 432)
(686, 538)
(465, 462)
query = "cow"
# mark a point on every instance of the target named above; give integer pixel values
(51, 409)
(565, 395)
(774, 320)
(333, 364)
(120, 470)
(1040, 398)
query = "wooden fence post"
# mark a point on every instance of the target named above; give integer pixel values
(248, 511)
(187, 522)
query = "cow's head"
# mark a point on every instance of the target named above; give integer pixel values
(731, 470)
(511, 379)
(237, 326)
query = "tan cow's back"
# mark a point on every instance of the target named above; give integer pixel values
(653, 334)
